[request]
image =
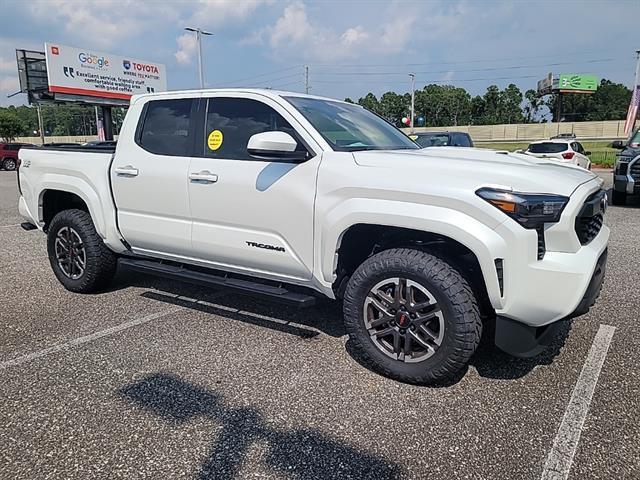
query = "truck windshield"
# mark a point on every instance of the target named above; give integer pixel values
(350, 128)
(634, 141)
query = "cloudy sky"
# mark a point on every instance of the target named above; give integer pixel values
(350, 46)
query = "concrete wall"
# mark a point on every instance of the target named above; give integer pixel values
(606, 130)
(524, 132)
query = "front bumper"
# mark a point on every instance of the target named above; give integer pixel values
(626, 184)
(522, 340)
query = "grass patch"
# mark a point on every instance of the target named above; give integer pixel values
(601, 152)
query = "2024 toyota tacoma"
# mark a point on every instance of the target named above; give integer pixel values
(289, 195)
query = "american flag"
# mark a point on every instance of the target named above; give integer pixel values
(633, 111)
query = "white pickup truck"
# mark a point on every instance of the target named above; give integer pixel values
(288, 195)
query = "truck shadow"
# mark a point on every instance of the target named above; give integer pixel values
(325, 318)
(299, 453)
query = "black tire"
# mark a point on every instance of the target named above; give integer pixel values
(458, 305)
(99, 262)
(9, 164)
(618, 198)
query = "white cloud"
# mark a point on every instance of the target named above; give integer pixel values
(293, 26)
(355, 35)
(216, 13)
(104, 23)
(294, 33)
(186, 48)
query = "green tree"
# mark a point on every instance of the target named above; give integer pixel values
(532, 105)
(370, 102)
(393, 107)
(511, 105)
(10, 125)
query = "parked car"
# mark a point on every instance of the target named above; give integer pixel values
(442, 139)
(290, 196)
(562, 149)
(9, 155)
(626, 173)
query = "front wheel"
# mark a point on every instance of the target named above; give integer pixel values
(78, 256)
(411, 316)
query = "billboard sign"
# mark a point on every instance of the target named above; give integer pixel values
(545, 85)
(81, 71)
(569, 83)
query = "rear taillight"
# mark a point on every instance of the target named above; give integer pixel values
(568, 155)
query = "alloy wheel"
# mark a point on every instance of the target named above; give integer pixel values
(404, 320)
(70, 253)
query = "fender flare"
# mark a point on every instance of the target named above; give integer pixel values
(480, 239)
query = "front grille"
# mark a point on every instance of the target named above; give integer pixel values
(591, 217)
(634, 171)
(589, 228)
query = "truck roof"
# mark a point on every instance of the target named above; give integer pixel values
(260, 91)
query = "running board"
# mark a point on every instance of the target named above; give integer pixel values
(239, 285)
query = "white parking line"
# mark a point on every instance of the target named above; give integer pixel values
(560, 457)
(86, 339)
(7, 226)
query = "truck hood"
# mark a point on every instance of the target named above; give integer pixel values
(478, 167)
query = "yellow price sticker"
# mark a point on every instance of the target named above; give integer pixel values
(215, 140)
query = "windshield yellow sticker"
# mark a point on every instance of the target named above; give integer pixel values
(215, 140)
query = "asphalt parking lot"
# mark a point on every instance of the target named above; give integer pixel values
(157, 380)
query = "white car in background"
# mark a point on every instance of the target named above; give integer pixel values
(565, 150)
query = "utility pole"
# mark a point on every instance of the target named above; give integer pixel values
(413, 98)
(306, 79)
(40, 123)
(199, 33)
(636, 86)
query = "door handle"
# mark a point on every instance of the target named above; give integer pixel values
(203, 177)
(128, 171)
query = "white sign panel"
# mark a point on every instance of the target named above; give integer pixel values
(79, 71)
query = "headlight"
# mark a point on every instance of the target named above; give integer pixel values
(531, 210)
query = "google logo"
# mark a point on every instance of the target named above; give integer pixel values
(93, 60)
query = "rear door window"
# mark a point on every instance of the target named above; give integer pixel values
(547, 147)
(167, 127)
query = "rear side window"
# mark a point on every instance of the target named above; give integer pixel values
(433, 140)
(547, 147)
(461, 140)
(231, 122)
(167, 127)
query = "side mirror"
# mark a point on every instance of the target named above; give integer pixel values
(619, 144)
(275, 146)
(587, 153)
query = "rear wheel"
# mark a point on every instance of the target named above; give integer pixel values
(618, 198)
(78, 256)
(9, 164)
(411, 316)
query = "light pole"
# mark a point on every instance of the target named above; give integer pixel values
(199, 33)
(413, 98)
